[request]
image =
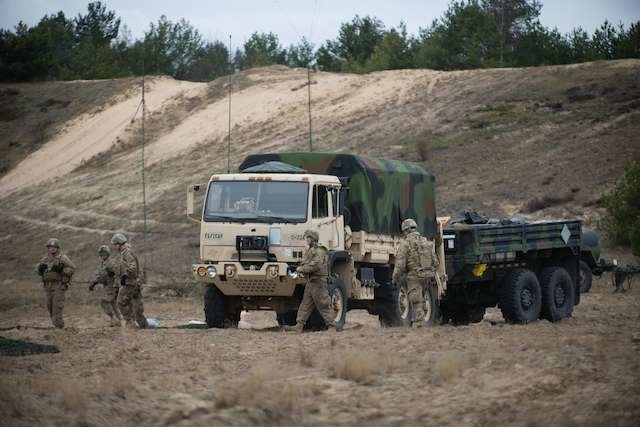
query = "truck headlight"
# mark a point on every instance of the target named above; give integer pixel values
(211, 271)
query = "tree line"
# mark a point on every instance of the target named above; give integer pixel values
(470, 34)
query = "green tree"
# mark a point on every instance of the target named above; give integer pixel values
(622, 219)
(210, 62)
(392, 52)
(300, 55)
(262, 49)
(354, 46)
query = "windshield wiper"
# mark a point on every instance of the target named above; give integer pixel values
(224, 218)
(272, 219)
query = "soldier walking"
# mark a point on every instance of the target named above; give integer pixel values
(316, 291)
(56, 270)
(128, 274)
(417, 259)
(106, 277)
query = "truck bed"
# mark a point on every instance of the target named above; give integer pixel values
(471, 244)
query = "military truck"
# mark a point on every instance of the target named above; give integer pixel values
(252, 224)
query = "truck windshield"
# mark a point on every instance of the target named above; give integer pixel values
(251, 201)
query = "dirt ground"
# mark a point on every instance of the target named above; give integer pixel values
(582, 371)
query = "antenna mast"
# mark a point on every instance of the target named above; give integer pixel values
(229, 136)
(309, 96)
(144, 189)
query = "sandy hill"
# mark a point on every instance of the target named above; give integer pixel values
(539, 142)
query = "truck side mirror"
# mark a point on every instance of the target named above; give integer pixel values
(191, 190)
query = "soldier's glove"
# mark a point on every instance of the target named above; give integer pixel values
(111, 274)
(299, 269)
(57, 268)
(123, 280)
(92, 285)
(42, 267)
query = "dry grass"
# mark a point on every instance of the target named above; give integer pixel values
(306, 357)
(450, 366)
(262, 387)
(360, 367)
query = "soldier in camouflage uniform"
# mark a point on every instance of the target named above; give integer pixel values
(106, 276)
(56, 270)
(316, 291)
(128, 274)
(417, 259)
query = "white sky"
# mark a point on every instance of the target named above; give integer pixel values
(318, 20)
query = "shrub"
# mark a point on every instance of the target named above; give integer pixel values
(621, 222)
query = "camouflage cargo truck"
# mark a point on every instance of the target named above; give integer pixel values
(252, 225)
(529, 270)
(251, 242)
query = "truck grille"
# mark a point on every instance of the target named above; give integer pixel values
(255, 287)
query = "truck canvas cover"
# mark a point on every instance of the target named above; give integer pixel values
(380, 193)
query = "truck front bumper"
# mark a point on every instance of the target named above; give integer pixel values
(271, 279)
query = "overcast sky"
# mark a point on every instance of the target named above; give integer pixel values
(318, 20)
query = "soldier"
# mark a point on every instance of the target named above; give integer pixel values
(106, 276)
(316, 291)
(56, 270)
(417, 259)
(128, 275)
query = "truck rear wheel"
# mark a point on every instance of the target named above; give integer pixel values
(557, 294)
(520, 297)
(432, 313)
(586, 277)
(392, 305)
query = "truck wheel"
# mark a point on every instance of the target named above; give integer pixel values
(520, 297)
(288, 318)
(463, 314)
(557, 294)
(214, 313)
(392, 305)
(432, 313)
(232, 318)
(586, 277)
(338, 293)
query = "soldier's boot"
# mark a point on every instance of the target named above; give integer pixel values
(298, 327)
(130, 324)
(142, 322)
(113, 321)
(417, 324)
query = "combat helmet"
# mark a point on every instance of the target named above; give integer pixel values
(119, 239)
(53, 242)
(104, 250)
(408, 224)
(311, 233)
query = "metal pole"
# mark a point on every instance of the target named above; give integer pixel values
(144, 189)
(309, 96)
(229, 136)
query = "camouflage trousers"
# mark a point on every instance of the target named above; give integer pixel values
(130, 305)
(416, 299)
(316, 295)
(108, 302)
(55, 292)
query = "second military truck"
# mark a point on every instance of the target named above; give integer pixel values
(251, 241)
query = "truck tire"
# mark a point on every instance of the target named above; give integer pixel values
(214, 312)
(586, 277)
(338, 294)
(520, 297)
(432, 313)
(392, 305)
(557, 294)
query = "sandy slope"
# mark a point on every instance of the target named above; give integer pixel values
(89, 135)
